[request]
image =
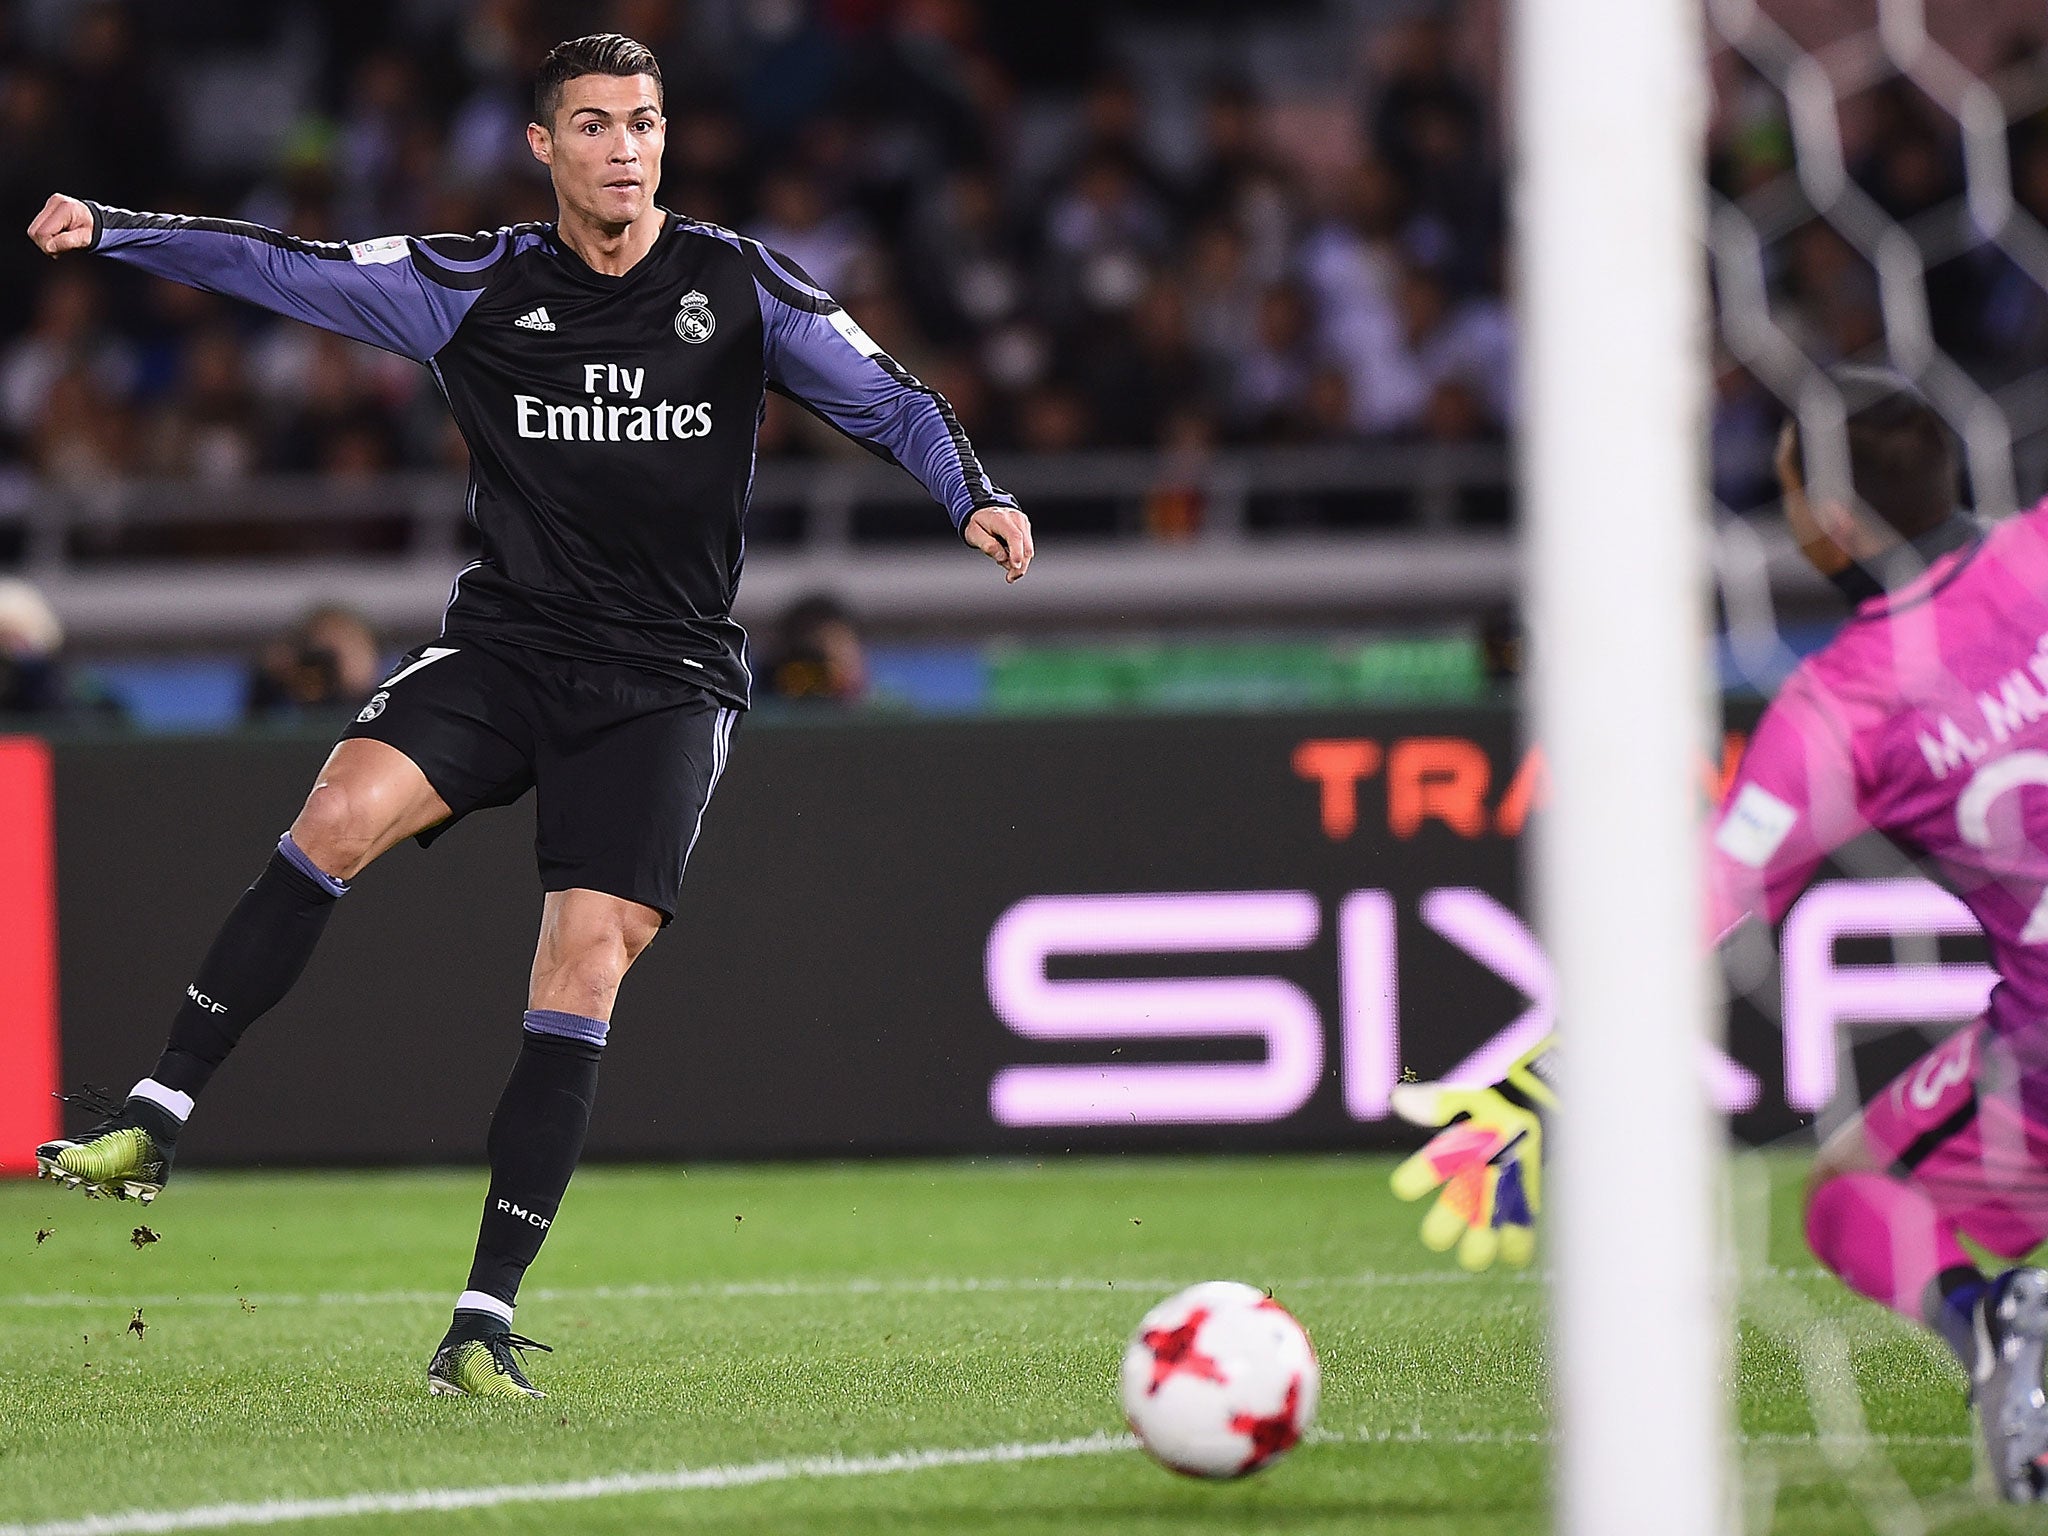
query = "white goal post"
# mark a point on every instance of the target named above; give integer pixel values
(1610, 102)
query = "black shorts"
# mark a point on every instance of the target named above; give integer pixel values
(623, 763)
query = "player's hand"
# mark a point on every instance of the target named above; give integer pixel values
(1487, 1158)
(1004, 535)
(65, 224)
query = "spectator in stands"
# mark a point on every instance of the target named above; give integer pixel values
(162, 328)
(1914, 159)
(965, 275)
(67, 334)
(1230, 160)
(34, 679)
(1428, 125)
(1042, 247)
(1744, 438)
(931, 90)
(40, 147)
(369, 148)
(1112, 127)
(126, 134)
(2013, 318)
(1139, 369)
(31, 637)
(206, 429)
(1103, 230)
(1053, 418)
(330, 391)
(818, 658)
(1423, 368)
(1326, 408)
(327, 662)
(84, 436)
(1239, 181)
(796, 218)
(1832, 294)
(1269, 392)
(704, 171)
(1221, 296)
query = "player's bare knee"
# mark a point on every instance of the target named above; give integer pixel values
(330, 831)
(588, 978)
(347, 822)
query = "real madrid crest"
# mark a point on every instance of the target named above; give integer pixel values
(694, 321)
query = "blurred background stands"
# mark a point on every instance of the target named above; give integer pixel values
(1219, 289)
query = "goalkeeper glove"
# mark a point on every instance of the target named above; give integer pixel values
(1487, 1157)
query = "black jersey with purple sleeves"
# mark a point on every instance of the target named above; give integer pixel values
(611, 421)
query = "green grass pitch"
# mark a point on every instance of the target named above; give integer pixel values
(760, 1319)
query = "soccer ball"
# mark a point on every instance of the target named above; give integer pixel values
(1219, 1380)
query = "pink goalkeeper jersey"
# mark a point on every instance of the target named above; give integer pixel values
(1925, 719)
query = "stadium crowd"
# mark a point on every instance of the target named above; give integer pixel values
(1100, 295)
(989, 187)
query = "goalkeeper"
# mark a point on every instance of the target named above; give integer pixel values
(1926, 719)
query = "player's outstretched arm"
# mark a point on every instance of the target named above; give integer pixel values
(1486, 1158)
(404, 294)
(1004, 535)
(816, 353)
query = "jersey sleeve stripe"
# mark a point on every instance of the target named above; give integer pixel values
(970, 462)
(108, 217)
(800, 296)
(465, 277)
(786, 268)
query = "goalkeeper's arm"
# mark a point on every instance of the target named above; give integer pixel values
(1793, 801)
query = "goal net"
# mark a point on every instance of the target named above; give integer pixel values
(1876, 192)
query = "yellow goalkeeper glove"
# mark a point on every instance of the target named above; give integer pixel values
(1487, 1158)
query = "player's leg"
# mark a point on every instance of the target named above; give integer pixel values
(588, 941)
(1883, 1237)
(1946, 1151)
(367, 798)
(622, 792)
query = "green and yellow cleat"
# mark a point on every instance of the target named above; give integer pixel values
(124, 1161)
(483, 1367)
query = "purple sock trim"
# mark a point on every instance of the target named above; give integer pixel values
(296, 857)
(572, 1026)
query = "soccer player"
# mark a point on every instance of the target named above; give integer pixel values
(608, 373)
(1925, 719)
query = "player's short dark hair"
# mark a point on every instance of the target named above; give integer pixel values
(1902, 456)
(601, 53)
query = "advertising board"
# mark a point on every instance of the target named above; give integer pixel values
(898, 936)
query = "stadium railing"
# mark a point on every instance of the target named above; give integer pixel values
(1345, 533)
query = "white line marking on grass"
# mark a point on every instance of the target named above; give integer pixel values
(938, 1285)
(681, 1480)
(748, 1475)
(1479, 1437)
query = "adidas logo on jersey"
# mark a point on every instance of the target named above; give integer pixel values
(535, 320)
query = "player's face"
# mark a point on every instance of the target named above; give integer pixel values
(604, 147)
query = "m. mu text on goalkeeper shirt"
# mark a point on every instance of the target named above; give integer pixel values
(603, 418)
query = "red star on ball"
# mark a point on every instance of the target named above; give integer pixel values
(1174, 1352)
(1271, 1435)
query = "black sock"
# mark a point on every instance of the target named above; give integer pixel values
(536, 1137)
(1950, 1308)
(257, 955)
